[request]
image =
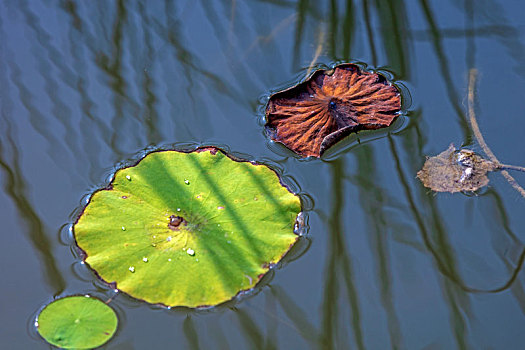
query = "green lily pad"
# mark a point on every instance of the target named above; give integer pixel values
(77, 322)
(188, 228)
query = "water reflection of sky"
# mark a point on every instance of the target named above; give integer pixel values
(86, 85)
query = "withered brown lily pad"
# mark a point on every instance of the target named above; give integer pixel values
(314, 115)
(456, 171)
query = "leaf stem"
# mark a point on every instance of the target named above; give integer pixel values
(479, 137)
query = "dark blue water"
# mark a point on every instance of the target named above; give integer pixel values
(88, 85)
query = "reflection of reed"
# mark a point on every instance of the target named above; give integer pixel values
(372, 200)
(252, 332)
(49, 58)
(456, 299)
(394, 23)
(36, 118)
(339, 268)
(299, 319)
(111, 64)
(192, 337)
(150, 118)
(16, 188)
(87, 121)
(445, 70)
(369, 32)
(301, 9)
(500, 220)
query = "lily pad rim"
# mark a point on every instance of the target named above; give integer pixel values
(35, 323)
(306, 203)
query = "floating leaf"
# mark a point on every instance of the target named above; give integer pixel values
(199, 227)
(77, 322)
(456, 170)
(314, 115)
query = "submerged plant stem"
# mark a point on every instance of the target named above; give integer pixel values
(512, 167)
(479, 137)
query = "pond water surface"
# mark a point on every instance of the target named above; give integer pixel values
(386, 263)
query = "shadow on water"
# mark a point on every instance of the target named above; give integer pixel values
(215, 248)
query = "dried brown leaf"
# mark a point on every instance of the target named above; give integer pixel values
(456, 171)
(314, 115)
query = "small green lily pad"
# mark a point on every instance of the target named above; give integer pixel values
(188, 228)
(77, 322)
